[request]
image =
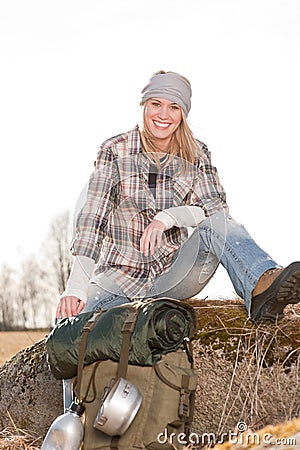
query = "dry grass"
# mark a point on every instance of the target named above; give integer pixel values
(246, 372)
(258, 388)
(13, 438)
(282, 436)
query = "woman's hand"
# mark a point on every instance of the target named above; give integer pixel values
(68, 307)
(152, 237)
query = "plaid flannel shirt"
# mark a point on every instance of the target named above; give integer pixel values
(120, 204)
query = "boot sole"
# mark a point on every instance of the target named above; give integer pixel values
(284, 290)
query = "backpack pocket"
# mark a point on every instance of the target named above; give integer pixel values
(171, 401)
(167, 406)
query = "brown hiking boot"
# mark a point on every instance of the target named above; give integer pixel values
(275, 289)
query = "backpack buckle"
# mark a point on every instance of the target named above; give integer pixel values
(129, 322)
(184, 404)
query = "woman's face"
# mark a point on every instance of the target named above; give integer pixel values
(162, 117)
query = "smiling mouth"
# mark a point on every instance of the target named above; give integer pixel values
(161, 125)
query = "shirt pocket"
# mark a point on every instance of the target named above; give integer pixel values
(182, 191)
(136, 194)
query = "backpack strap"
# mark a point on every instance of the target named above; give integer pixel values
(184, 402)
(127, 331)
(89, 325)
(114, 444)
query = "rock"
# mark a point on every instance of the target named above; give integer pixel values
(246, 373)
(28, 391)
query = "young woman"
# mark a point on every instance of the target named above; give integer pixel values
(148, 187)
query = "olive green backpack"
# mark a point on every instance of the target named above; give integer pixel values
(168, 387)
(147, 343)
(164, 419)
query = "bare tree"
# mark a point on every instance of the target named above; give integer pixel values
(57, 249)
(32, 292)
(7, 316)
(28, 296)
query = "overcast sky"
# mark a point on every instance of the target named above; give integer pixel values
(71, 76)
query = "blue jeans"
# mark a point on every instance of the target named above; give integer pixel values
(218, 239)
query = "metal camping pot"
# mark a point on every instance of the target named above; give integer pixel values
(118, 409)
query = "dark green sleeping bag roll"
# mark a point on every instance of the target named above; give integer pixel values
(161, 326)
